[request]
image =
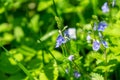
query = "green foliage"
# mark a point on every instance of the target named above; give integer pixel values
(96, 76)
(28, 33)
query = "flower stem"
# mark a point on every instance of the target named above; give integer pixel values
(105, 53)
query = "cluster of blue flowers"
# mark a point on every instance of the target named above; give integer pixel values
(70, 33)
(100, 28)
(67, 35)
(96, 43)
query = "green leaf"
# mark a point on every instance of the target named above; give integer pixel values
(8, 37)
(50, 72)
(34, 24)
(6, 66)
(17, 76)
(18, 32)
(47, 35)
(96, 76)
(43, 5)
(4, 27)
(57, 55)
(2, 9)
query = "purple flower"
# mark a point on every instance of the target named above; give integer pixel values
(96, 45)
(105, 44)
(60, 41)
(76, 74)
(71, 57)
(102, 25)
(105, 7)
(70, 33)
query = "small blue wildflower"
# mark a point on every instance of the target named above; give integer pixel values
(96, 45)
(105, 44)
(60, 41)
(71, 57)
(88, 38)
(77, 74)
(70, 33)
(105, 7)
(113, 3)
(102, 25)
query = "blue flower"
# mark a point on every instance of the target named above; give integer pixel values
(105, 44)
(70, 33)
(96, 45)
(76, 74)
(105, 7)
(102, 25)
(71, 57)
(60, 41)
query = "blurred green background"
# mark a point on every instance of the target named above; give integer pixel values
(28, 30)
